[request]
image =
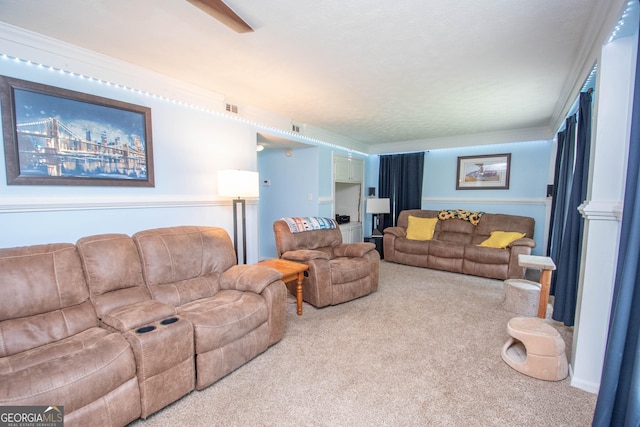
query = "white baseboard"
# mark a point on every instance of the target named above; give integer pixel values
(588, 386)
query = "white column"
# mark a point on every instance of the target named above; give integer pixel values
(602, 210)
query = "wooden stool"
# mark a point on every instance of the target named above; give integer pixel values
(535, 349)
(521, 296)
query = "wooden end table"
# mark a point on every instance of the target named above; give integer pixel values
(546, 266)
(290, 271)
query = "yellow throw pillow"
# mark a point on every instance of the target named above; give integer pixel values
(501, 239)
(421, 228)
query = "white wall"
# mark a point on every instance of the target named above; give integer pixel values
(602, 209)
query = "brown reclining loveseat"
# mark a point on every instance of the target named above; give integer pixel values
(455, 244)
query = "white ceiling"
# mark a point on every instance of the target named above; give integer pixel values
(371, 70)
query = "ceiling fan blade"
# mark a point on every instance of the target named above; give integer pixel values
(223, 13)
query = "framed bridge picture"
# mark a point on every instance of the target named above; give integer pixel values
(54, 136)
(488, 172)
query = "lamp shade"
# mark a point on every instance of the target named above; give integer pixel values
(377, 206)
(237, 183)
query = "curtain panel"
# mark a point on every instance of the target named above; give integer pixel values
(557, 202)
(561, 189)
(400, 180)
(569, 255)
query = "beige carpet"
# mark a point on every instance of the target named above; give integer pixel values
(422, 351)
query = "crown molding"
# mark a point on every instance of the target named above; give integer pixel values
(472, 140)
(31, 46)
(587, 56)
(35, 48)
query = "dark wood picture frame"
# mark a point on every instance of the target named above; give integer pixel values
(55, 136)
(487, 172)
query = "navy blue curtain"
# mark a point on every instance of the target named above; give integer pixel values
(400, 179)
(561, 189)
(567, 259)
(386, 179)
(619, 396)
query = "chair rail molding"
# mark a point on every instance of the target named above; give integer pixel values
(546, 201)
(19, 205)
(601, 210)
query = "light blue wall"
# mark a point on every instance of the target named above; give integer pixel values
(292, 180)
(325, 201)
(526, 195)
(530, 163)
(189, 147)
(292, 190)
(529, 171)
(372, 170)
(326, 172)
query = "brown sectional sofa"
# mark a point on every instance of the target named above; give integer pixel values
(115, 327)
(454, 246)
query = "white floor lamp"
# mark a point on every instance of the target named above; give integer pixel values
(376, 207)
(239, 185)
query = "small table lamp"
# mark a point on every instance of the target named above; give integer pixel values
(238, 185)
(377, 206)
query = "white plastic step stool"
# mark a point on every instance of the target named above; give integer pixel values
(521, 296)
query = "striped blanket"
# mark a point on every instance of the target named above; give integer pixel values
(299, 224)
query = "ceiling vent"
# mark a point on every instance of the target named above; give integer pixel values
(231, 108)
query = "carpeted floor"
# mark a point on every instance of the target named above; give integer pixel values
(422, 351)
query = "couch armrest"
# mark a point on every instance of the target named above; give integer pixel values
(249, 278)
(305, 255)
(135, 315)
(525, 241)
(396, 231)
(275, 295)
(522, 248)
(353, 250)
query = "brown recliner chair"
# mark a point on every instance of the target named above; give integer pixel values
(237, 311)
(52, 350)
(338, 272)
(162, 341)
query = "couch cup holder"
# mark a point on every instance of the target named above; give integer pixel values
(145, 329)
(169, 320)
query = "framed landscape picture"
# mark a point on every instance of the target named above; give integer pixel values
(483, 172)
(54, 136)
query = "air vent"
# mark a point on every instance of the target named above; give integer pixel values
(231, 108)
